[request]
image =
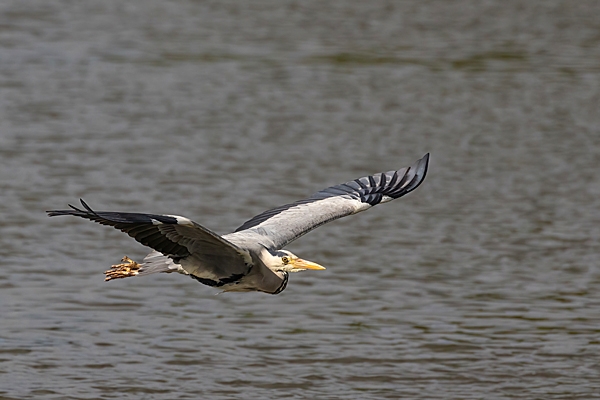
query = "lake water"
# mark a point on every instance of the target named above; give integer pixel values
(483, 283)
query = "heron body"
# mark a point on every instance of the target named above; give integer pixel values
(252, 258)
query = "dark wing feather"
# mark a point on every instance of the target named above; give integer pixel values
(283, 224)
(173, 236)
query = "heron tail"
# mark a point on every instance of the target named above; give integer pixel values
(153, 263)
(157, 262)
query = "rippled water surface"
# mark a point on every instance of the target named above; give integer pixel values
(483, 283)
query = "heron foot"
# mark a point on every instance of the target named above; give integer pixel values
(127, 268)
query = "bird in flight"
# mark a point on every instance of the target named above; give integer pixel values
(252, 258)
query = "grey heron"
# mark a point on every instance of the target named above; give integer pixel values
(252, 258)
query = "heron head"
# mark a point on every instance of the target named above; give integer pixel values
(284, 260)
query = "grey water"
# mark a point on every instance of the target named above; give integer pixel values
(483, 283)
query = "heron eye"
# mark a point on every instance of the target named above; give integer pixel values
(285, 260)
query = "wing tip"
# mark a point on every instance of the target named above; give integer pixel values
(421, 167)
(54, 213)
(73, 211)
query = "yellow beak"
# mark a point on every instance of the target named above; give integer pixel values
(303, 264)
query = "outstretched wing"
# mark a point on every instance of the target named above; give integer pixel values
(281, 225)
(212, 257)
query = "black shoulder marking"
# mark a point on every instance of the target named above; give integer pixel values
(219, 283)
